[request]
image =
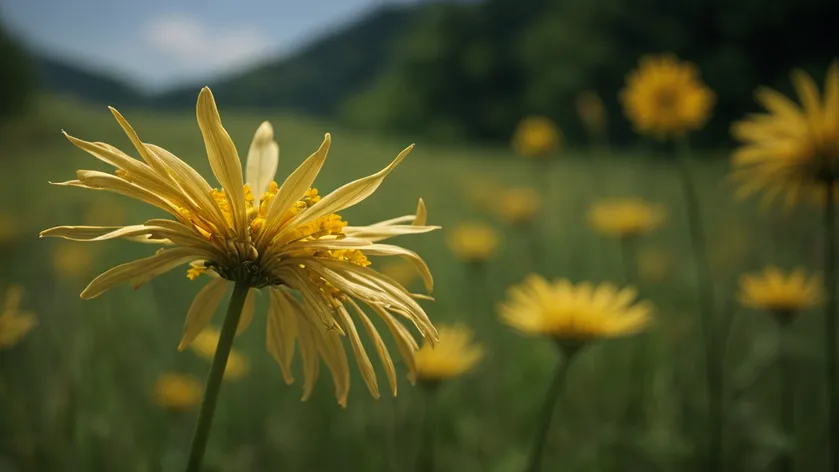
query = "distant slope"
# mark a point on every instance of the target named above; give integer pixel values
(317, 78)
(63, 78)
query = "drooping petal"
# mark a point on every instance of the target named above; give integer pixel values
(381, 348)
(410, 256)
(263, 157)
(201, 311)
(361, 357)
(282, 330)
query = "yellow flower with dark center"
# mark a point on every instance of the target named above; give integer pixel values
(665, 97)
(592, 113)
(286, 239)
(791, 149)
(454, 355)
(71, 261)
(780, 293)
(14, 324)
(177, 392)
(473, 242)
(574, 313)
(536, 137)
(205, 346)
(518, 205)
(624, 217)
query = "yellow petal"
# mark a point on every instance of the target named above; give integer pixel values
(281, 331)
(381, 347)
(422, 214)
(149, 267)
(361, 357)
(379, 233)
(201, 311)
(332, 351)
(247, 312)
(147, 156)
(101, 181)
(411, 256)
(263, 157)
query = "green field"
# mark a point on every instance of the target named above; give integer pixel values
(76, 392)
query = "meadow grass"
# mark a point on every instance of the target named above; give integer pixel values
(76, 393)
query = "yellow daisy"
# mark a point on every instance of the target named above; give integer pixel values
(773, 291)
(624, 217)
(454, 355)
(518, 205)
(574, 313)
(473, 242)
(286, 239)
(205, 346)
(665, 97)
(791, 149)
(536, 137)
(14, 324)
(177, 392)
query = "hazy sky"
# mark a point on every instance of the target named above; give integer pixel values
(157, 43)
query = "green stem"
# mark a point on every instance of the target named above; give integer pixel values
(628, 256)
(546, 414)
(425, 460)
(638, 355)
(830, 322)
(786, 461)
(211, 391)
(713, 367)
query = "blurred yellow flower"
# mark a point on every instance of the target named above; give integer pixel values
(177, 392)
(518, 205)
(482, 191)
(72, 261)
(205, 346)
(256, 234)
(592, 113)
(654, 265)
(623, 217)
(536, 137)
(791, 149)
(574, 313)
(665, 97)
(401, 271)
(454, 355)
(10, 229)
(782, 294)
(473, 241)
(14, 324)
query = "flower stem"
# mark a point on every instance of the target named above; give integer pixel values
(786, 461)
(713, 366)
(830, 322)
(425, 459)
(638, 355)
(628, 256)
(211, 391)
(546, 414)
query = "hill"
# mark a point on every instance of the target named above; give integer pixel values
(61, 77)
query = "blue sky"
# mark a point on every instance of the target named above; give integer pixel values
(158, 43)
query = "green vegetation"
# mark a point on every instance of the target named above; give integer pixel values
(76, 394)
(15, 75)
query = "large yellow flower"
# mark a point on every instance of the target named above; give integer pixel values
(473, 242)
(665, 97)
(454, 355)
(791, 149)
(286, 239)
(575, 313)
(783, 294)
(14, 324)
(536, 137)
(177, 392)
(623, 217)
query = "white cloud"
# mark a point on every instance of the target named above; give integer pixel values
(199, 49)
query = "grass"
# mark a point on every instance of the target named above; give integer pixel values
(75, 394)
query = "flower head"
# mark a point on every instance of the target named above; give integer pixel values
(536, 137)
(518, 205)
(625, 217)
(574, 313)
(778, 293)
(473, 242)
(454, 355)
(287, 239)
(177, 392)
(205, 346)
(791, 149)
(665, 97)
(14, 324)
(592, 113)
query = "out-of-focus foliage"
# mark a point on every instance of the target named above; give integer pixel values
(68, 79)
(15, 76)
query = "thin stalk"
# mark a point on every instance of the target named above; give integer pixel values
(830, 322)
(539, 230)
(629, 259)
(713, 366)
(638, 355)
(546, 415)
(211, 391)
(425, 459)
(787, 460)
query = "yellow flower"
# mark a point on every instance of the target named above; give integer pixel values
(473, 241)
(592, 113)
(518, 205)
(454, 355)
(791, 149)
(574, 313)
(14, 324)
(625, 217)
(205, 346)
(665, 97)
(286, 239)
(782, 294)
(536, 137)
(71, 261)
(654, 265)
(177, 392)
(400, 271)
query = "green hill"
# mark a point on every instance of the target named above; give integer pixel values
(61, 77)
